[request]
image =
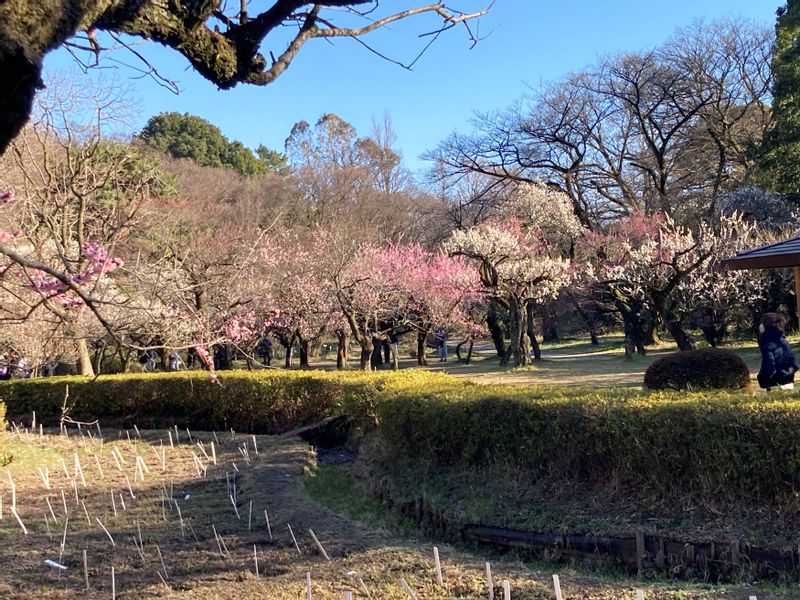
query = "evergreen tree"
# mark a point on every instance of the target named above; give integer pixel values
(780, 163)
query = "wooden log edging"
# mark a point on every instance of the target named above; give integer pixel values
(717, 561)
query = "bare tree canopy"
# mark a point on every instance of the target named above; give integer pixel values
(224, 46)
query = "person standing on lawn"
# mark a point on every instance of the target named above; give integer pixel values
(778, 363)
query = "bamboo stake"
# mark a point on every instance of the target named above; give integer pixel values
(64, 502)
(507, 590)
(255, 445)
(438, 565)
(250, 517)
(639, 595)
(50, 506)
(122, 500)
(177, 437)
(99, 467)
(79, 470)
(13, 491)
(64, 465)
(216, 537)
(180, 518)
(63, 541)
(319, 545)
(86, 512)
(557, 586)
(161, 558)
(45, 477)
(489, 582)
(19, 520)
(130, 489)
(216, 439)
(116, 460)
(236, 510)
(169, 433)
(294, 539)
(364, 587)
(408, 589)
(113, 585)
(139, 435)
(308, 581)
(266, 516)
(255, 558)
(85, 570)
(189, 434)
(99, 522)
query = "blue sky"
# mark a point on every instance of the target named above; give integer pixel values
(529, 42)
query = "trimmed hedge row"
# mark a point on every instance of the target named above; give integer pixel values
(258, 402)
(711, 445)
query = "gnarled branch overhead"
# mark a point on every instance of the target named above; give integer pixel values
(29, 29)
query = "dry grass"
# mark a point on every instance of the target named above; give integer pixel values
(195, 566)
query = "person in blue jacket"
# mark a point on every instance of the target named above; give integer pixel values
(778, 364)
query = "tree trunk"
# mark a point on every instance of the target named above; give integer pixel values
(364, 360)
(518, 348)
(422, 336)
(341, 350)
(84, 363)
(469, 350)
(549, 328)
(287, 362)
(593, 337)
(529, 323)
(303, 345)
(675, 328)
(497, 328)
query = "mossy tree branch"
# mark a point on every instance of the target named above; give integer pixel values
(29, 29)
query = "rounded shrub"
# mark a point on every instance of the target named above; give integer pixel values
(708, 368)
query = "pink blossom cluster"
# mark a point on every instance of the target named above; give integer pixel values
(99, 264)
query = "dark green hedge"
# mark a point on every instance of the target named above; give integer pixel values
(259, 402)
(707, 368)
(712, 445)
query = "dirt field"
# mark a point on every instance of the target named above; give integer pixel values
(199, 565)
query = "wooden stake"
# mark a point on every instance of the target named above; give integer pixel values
(319, 545)
(308, 580)
(170, 438)
(113, 503)
(116, 460)
(21, 524)
(639, 595)
(139, 435)
(64, 465)
(13, 491)
(113, 585)
(99, 522)
(506, 590)
(364, 587)
(79, 470)
(216, 537)
(266, 516)
(45, 477)
(216, 439)
(213, 452)
(294, 539)
(255, 558)
(64, 502)
(236, 510)
(438, 565)
(161, 558)
(99, 467)
(130, 489)
(189, 434)
(255, 445)
(180, 518)
(408, 589)
(489, 582)
(177, 437)
(122, 501)
(250, 517)
(63, 541)
(86, 512)
(85, 570)
(50, 506)
(557, 586)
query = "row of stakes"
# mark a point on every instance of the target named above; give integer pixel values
(141, 468)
